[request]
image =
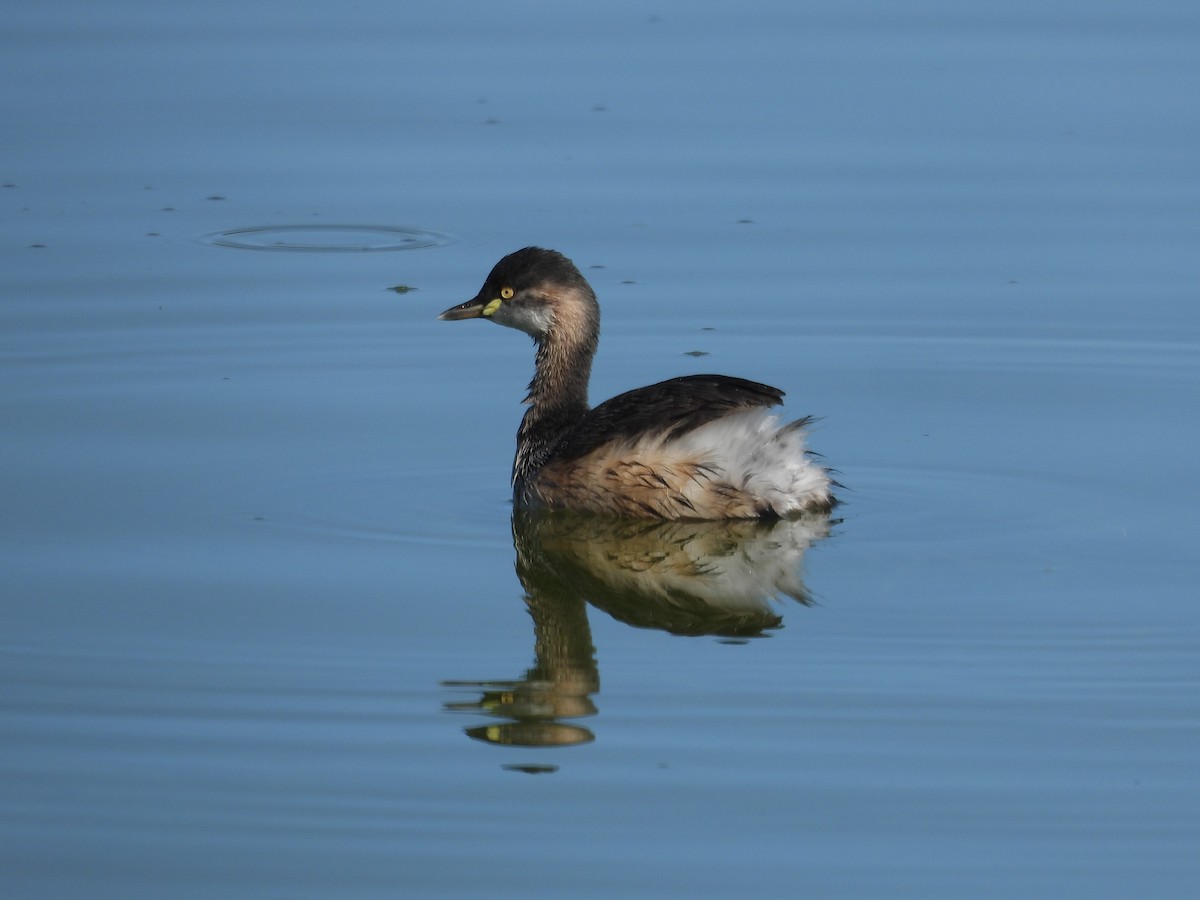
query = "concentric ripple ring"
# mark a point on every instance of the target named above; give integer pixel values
(327, 238)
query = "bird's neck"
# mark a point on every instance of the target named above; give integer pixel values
(558, 397)
(560, 379)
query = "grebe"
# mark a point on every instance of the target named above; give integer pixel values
(695, 447)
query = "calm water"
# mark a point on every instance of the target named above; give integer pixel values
(269, 630)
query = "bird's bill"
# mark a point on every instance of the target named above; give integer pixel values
(472, 309)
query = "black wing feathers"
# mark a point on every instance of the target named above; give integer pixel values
(669, 407)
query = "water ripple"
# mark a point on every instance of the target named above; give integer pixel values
(327, 238)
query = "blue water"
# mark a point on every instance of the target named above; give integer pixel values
(267, 628)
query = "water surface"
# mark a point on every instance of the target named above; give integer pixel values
(269, 627)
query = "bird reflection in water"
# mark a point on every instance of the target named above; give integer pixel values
(683, 577)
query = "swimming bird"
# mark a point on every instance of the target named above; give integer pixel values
(695, 447)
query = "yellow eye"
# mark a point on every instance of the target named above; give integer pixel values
(506, 293)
